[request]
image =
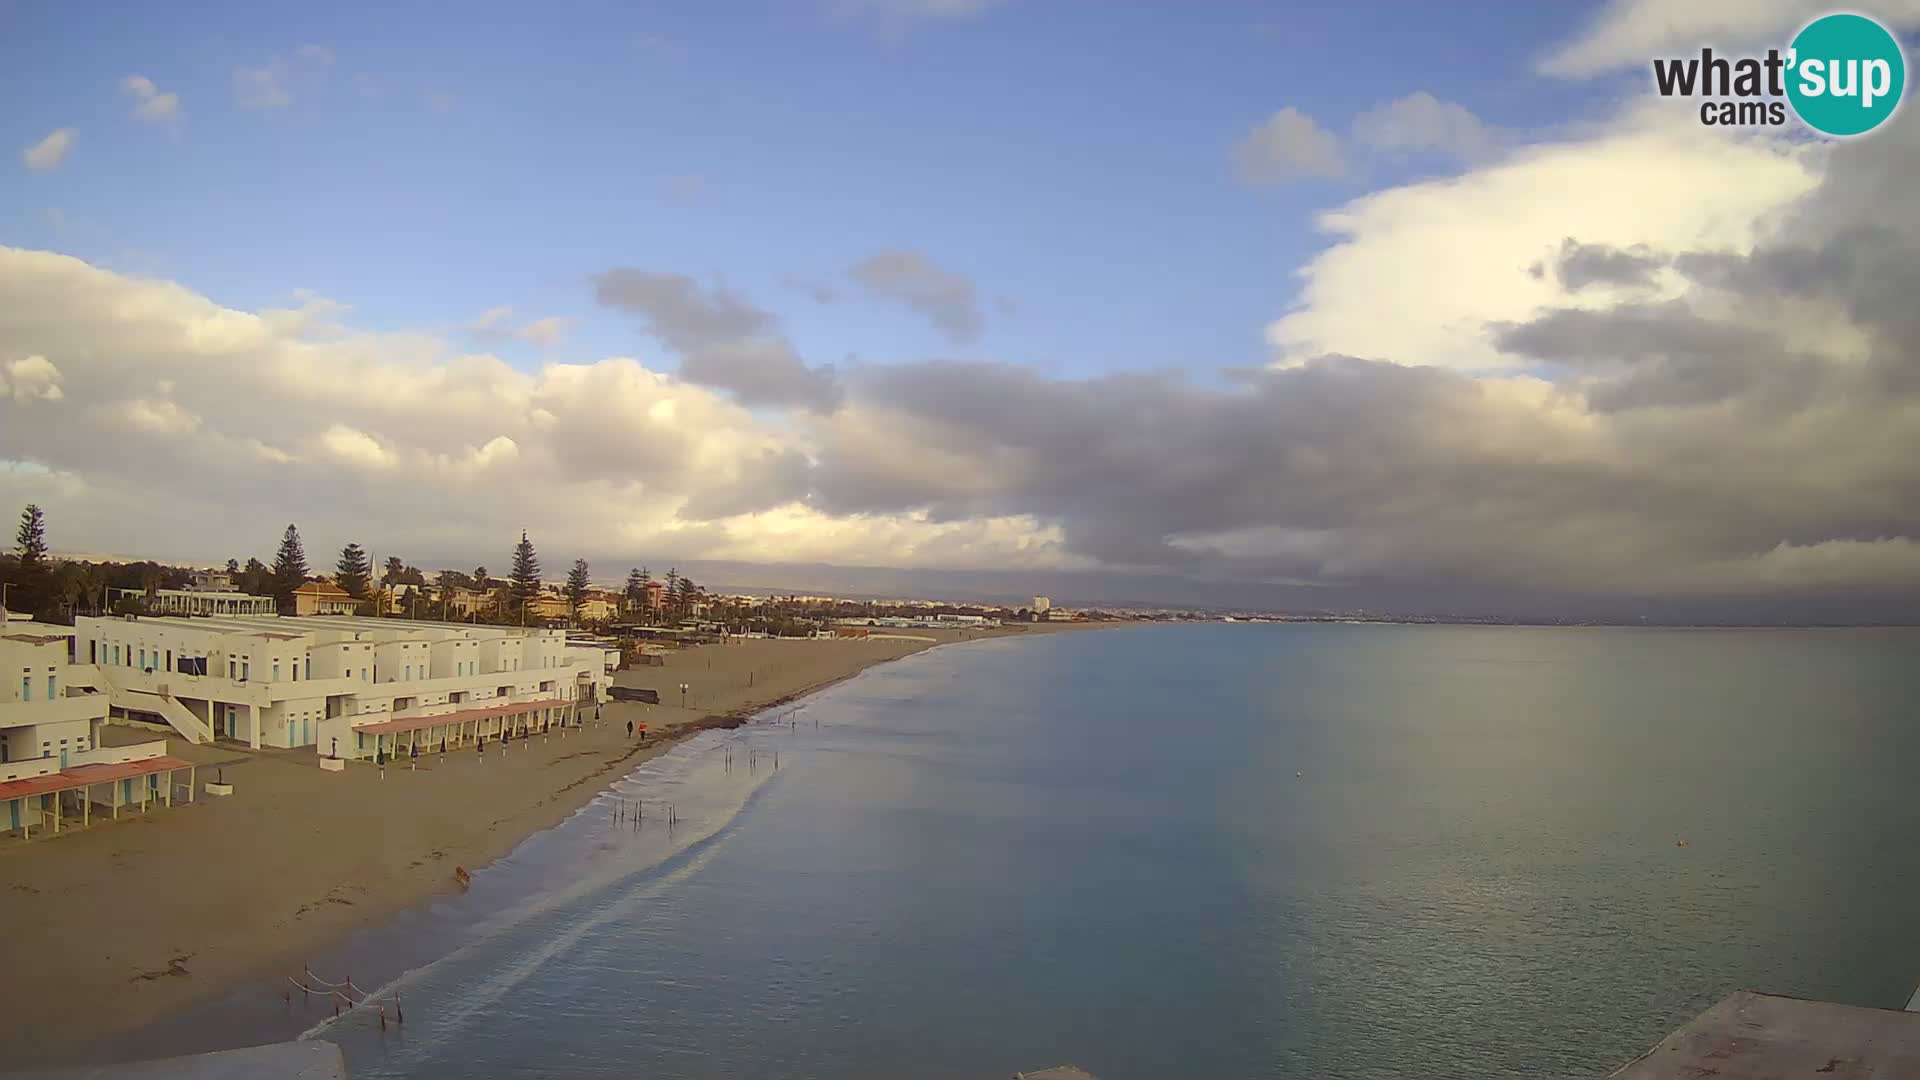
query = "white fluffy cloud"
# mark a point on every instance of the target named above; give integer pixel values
(207, 425)
(48, 153)
(1417, 272)
(1628, 33)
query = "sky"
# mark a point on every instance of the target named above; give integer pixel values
(1388, 298)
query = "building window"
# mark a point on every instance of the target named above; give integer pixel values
(143, 658)
(276, 669)
(233, 668)
(51, 695)
(309, 667)
(246, 670)
(26, 688)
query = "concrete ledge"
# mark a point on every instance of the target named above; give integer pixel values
(1757, 1036)
(218, 789)
(333, 764)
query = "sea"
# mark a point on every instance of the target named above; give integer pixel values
(1221, 850)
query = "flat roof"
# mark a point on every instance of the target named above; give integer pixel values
(1751, 1036)
(87, 776)
(415, 723)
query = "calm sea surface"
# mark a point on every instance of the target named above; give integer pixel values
(1209, 851)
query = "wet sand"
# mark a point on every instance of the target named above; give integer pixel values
(119, 926)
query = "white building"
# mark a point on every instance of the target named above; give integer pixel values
(341, 684)
(52, 766)
(201, 602)
(1041, 605)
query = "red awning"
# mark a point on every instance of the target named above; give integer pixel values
(87, 775)
(415, 723)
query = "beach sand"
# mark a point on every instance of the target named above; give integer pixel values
(118, 926)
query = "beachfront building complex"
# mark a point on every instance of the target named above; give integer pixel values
(1041, 605)
(52, 765)
(344, 685)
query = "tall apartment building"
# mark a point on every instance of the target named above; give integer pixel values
(341, 684)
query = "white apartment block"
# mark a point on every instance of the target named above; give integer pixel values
(342, 684)
(52, 766)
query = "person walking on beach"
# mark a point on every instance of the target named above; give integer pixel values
(629, 729)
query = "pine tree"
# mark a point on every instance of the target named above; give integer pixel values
(30, 555)
(289, 569)
(353, 571)
(30, 540)
(233, 566)
(480, 578)
(255, 578)
(526, 572)
(688, 593)
(579, 580)
(395, 569)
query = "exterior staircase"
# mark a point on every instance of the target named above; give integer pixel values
(166, 707)
(160, 704)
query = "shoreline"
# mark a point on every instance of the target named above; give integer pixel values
(146, 920)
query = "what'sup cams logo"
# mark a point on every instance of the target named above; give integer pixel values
(1843, 74)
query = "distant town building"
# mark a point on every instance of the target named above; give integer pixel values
(546, 606)
(211, 581)
(1041, 605)
(323, 598)
(200, 602)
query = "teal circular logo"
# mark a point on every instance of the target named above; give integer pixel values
(1846, 74)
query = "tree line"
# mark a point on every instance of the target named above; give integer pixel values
(58, 592)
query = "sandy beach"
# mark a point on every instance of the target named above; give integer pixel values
(123, 924)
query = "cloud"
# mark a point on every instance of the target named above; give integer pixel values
(547, 331)
(1630, 33)
(1288, 145)
(214, 426)
(29, 379)
(722, 338)
(689, 189)
(1709, 389)
(48, 153)
(1579, 265)
(266, 86)
(1422, 122)
(149, 102)
(944, 298)
(497, 324)
(1444, 258)
(821, 292)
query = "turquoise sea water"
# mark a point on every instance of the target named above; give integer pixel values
(1206, 851)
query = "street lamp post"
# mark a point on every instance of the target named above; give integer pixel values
(683, 695)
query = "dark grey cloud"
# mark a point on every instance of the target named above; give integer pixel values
(723, 339)
(946, 299)
(678, 310)
(1578, 265)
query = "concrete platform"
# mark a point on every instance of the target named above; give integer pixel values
(1752, 1036)
(278, 1061)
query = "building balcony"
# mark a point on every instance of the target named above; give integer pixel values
(59, 710)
